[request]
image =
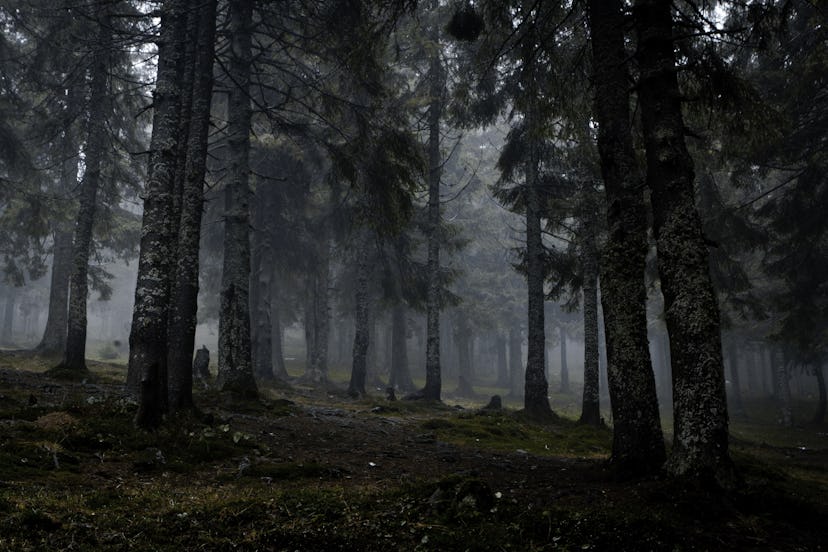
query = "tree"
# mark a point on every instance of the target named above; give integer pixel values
(356, 386)
(234, 357)
(590, 403)
(74, 358)
(184, 304)
(535, 393)
(436, 80)
(700, 443)
(638, 445)
(148, 336)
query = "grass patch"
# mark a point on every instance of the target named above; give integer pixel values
(505, 431)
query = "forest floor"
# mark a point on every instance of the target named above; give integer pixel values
(304, 470)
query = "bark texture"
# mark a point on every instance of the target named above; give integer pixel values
(515, 360)
(781, 388)
(564, 365)
(433, 384)
(317, 312)
(279, 368)
(735, 384)
(463, 341)
(590, 403)
(148, 337)
(184, 305)
(502, 363)
(536, 388)
(53, 342)
(400, 377)
(261, 282)
(638, 444)
(9, 308)
(74, 357)
(359, 367)
(54, 335)
(235, 367)
(819, 372)
(700, 444)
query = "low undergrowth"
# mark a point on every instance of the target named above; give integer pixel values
(296, 471)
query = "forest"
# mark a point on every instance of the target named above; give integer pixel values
(413, 275)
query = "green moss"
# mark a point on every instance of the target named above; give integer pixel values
(508, 432)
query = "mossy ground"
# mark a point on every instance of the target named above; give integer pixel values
(297, 470)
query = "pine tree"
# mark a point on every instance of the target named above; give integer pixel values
(148, 337)
(184, 304)
(638, 445)
(700, 442)
(235, 368)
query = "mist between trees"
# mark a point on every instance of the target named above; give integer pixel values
(602, 210)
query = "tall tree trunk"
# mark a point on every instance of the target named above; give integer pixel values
(235, 367)
(261, 293)
(317, 315)
(590, 404)
(502, 363)
(536, 388)
(322, 316)
(74, 357)
(184, 304)
(9, 308)
(279, 369)
(781, 388)
(433, 384)
(463, 342)
(356, 387)
(400, 374)
(819, 372)
(700, 443)
(53, 342)
(148, 336)
(54, 336)
(735, 385)
(376, 351)
(638, 444)
(515, 360)
(564, 365)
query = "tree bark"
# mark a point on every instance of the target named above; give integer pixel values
(433, 384)
(279, 369)
(638, 444)
(9, 308)
(502, 363)
(356, 387)
(590, 403)
(735, 385)
(700, 443)
(515, 360)
(819, 372)
(536, 388)
(781, 388)
(148, 337)
(235, 367)
(74, 357)
(463, 342)
(184, 303)
(261, 293)
(54, 336)
(53, 342)
(400, 375)
(317, 314)
(564, 365)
